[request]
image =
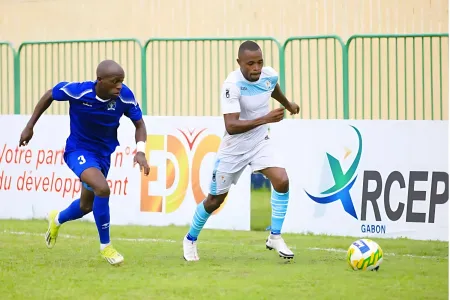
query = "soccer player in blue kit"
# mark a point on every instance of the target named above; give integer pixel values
(95, 110)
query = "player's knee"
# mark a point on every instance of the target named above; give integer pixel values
(96, 181)
(213, 202)
(102, 189)
(281, 184)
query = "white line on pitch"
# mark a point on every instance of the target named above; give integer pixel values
(387, 254)
(152, 240)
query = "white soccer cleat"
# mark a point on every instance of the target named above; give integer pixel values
(190, 250)
(276, 242)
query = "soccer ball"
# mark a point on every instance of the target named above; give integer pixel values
(364, 254)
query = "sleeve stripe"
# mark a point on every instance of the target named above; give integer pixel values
(133, 101)
(70, 94)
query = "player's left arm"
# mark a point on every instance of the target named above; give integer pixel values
(134, 112)
(278, 95)
(141, 139)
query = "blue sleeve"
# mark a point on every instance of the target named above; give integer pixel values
(133, 111)
(57, 92)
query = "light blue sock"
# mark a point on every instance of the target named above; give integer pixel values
(198, 221)
(279, 203)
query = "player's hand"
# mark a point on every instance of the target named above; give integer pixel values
(275, 115)
(26, 136)
(140, 159)
(293, 108)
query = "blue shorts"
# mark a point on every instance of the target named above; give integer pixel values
(78, 161)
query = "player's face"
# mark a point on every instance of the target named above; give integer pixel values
(111, 85)
(251, 63)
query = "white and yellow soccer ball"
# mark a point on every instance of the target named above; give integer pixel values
(364, 254)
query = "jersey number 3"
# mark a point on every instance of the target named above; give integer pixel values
(81, 159)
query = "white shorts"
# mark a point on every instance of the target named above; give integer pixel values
(228, 170)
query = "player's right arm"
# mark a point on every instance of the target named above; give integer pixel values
(231, 110)
(43, 104)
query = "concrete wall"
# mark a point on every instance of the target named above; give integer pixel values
(321, 96)
(22, 20)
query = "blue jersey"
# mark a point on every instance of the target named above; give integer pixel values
(94, 121)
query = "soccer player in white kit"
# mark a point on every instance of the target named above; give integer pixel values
(245, 98)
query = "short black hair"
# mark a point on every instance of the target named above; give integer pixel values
(248, 45)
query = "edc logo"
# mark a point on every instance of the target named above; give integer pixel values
(173, 165)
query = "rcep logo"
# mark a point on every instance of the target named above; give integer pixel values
(343, 182)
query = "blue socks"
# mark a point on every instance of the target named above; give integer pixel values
(199, 220)
(279, 203)
(101, 216)
(72, 212)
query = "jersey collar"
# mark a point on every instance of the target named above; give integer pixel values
(97, 97)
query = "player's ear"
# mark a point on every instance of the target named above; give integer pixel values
(238, 61)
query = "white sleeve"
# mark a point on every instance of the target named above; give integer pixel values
(271, 71)
(229, 98)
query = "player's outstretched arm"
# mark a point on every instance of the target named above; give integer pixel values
(278, 95)
(43, 104)
(235, 126)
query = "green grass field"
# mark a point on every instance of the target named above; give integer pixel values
(233, 265)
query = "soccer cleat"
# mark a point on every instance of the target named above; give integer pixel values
(111, 255)
(52, 231)
(276, 242)
(190, 250)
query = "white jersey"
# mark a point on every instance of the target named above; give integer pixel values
(251, 100)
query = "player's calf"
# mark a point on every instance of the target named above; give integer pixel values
(96, 181)
(279, 197)
(201, 215)
(76, 210)
(279, 201)
(86, 207)
(100, 209)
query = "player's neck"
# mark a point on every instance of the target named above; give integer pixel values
(99, 94)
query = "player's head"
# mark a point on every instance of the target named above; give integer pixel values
(110, 76)
(250, 60)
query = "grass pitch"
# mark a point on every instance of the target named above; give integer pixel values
(233, 265)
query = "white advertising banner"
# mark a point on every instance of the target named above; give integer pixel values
(366, 178)
(180, 150)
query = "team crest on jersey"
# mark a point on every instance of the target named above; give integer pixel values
(112, 105)
(268, 84)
